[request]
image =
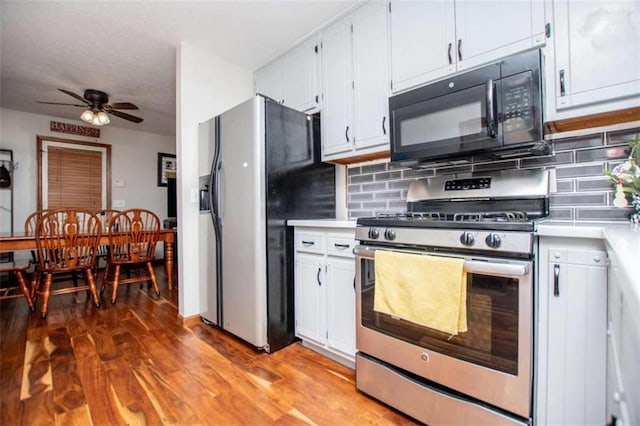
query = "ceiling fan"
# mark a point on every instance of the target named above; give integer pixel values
(97, 107)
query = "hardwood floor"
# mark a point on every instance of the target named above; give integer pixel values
(132, 363)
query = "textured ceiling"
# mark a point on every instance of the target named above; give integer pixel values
(127, 48)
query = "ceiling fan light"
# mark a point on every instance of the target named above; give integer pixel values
(103, 118)
(87, 115)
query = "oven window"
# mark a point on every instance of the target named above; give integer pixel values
(492, 317)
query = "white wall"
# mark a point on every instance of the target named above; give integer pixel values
(205, 87)
(133, 158)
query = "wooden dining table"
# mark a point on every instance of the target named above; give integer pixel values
(15, 241)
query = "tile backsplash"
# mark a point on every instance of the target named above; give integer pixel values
(584, 193)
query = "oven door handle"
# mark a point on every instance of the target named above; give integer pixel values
(472, 266)
(488, 268)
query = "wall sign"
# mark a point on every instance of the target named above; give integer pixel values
(74, 129)
(166, 168)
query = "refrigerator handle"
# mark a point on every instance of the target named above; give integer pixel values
(220, 212)
(214, 197)
(212, 192)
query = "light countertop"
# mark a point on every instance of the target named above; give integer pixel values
(323, 223)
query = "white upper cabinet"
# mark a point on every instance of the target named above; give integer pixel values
(337, 80)
(597, 52)
(355, 77)
(293, 79)
(269, 81)
(300, 73)
(371, 76)
(430, 39)
(487, 30)
(422, 41)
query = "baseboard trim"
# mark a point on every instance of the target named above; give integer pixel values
(189, 321)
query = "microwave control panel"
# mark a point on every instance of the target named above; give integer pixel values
(517, 105)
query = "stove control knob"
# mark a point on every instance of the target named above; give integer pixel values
(493, 240)
(467, 239)
(390, 234)
(374, 233)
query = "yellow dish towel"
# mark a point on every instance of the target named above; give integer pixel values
(426, 290)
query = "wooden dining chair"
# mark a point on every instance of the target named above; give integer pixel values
(30, 225)
(133, 236)
(105, 216)
(11, 292)
(66, 241)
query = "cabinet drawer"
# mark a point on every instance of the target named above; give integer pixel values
(310, 242)
(341, 245)
(578, 257)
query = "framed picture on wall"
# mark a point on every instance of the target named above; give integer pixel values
(166, 168)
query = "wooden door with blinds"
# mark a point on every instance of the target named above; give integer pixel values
(73, 174)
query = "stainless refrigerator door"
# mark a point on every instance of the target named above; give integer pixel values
(241, 212)
(207, 242)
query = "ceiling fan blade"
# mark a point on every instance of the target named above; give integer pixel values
(124, 116)
(78, 97)
(122, 105)
(60, 103)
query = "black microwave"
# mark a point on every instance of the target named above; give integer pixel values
(495, 109)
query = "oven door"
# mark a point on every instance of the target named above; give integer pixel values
(491, 362)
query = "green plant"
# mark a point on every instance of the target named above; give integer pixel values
(625, 177)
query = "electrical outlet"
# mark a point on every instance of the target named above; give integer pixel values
(119, 183)
(118, 204)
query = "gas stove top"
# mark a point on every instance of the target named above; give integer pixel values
(490, 211)
(512, 220)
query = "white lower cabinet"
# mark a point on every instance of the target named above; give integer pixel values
(309, 297)
(572, 332)
(325, 293)
(623, 351)
(341, 302)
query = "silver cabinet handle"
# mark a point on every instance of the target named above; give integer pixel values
(346, 133)
(459, 49)
(318, 276)
(341, 246)
(556, 280)
(449, 53)
(308, 243)
(384, 129)
(563, 92)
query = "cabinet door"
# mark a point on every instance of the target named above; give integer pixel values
(300, 76)
(341, 305)
(370, 75)
(488, 30)
(309, 291)
(422, 41)
(597, 51)
(577, 312)
(337, 131)
(269, 81)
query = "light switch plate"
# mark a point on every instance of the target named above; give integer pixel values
(119, 183)
(118, 204)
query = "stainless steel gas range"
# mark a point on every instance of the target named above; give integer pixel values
(483, 375)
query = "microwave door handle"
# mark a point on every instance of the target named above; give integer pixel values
(490, 106)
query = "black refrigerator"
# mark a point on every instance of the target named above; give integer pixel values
(266, 169)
